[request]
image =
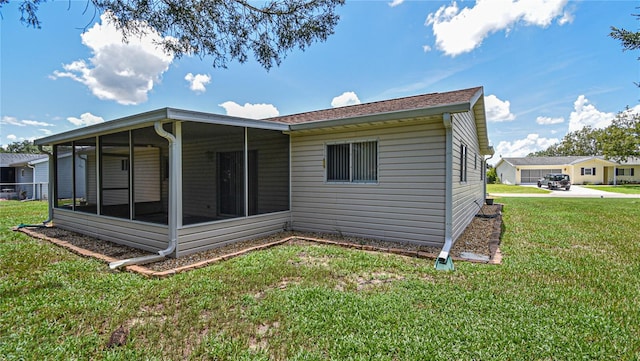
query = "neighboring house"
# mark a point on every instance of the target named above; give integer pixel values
(18, 176)
(177, 182)
(582, 169)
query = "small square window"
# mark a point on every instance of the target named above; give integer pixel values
(355, 162)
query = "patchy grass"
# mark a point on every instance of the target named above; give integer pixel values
(626, 189)
(566, 290)
(508, 188)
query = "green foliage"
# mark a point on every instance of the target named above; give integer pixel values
(492, 175)
(621, 139)
(618, 142)
(565, 291)
(510, 188)
(629, 40)
(24, 146)
(224, 30)
(579, 142)
(625, 189)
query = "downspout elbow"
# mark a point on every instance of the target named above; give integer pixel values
(171, 247)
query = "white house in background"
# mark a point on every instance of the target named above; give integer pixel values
(582, 169)
(177, 182)
(22, 177)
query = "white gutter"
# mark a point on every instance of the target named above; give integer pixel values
(174, 187)
(444, 262)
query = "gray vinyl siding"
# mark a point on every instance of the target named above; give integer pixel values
(147, 236)
(200, 237)
(41, 177)
(468, 196)
(199, 162)
(92, 181)
(65, 177)
(146, 180)
(115, 180)
(405, 205)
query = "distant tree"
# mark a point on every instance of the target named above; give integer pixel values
(551, 151)
(492, 175)
(630, 40)
(621, 139)
(225, 30)
(579, 142)
(24, 146)
(618, 141)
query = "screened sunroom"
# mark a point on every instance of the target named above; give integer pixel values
(199, 180)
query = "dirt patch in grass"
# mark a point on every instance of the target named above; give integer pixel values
(478, 243)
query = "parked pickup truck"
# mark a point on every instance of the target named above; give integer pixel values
(555, 180)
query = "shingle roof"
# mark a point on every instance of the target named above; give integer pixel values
(15, 159)
(423, 101)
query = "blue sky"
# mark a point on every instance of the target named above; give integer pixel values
(547, 67)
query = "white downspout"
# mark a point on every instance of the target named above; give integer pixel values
(174, 187)
(444, 261)
(50, 191)
(484, 169)
(33, 180)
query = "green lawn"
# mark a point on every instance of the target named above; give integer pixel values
(507, 188)
(626, 189)
(567, 290)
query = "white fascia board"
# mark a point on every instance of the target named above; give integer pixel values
(148, 118)
(187, 115)
(106, 127)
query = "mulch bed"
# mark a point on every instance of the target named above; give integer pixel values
(481, 238)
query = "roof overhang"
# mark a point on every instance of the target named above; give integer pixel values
(163, 115)
(381, 117)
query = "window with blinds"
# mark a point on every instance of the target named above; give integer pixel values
(355, 162)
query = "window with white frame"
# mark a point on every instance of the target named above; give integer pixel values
(463, 163)
(625, 171)
(587, 171)
(352, 162)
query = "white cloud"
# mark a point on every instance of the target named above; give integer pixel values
(460, 31)
(567, 18)
(549, 120)
(395, 3)
(522, 147)
(252, 111)
(585, 114)
(11, 121)
(12, 137)
(46, 131)
(8, 120)
(347, 98)
(197, 82)
(498, 110)
(85, 119)
(37, 123)
(426, 48)
(123, 72)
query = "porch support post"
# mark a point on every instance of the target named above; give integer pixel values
(246, 172)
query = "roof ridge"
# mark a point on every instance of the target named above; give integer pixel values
(360, 109)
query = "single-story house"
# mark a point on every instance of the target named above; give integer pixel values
(177, 181)
(22, 177)
(582, 169)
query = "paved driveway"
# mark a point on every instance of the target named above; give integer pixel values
(575, 191)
